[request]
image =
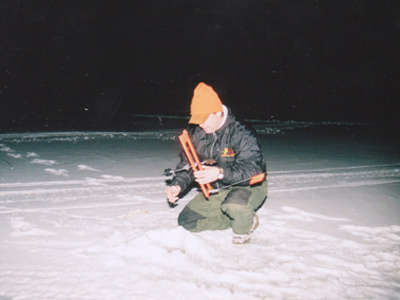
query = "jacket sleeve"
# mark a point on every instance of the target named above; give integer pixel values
(249, 160)
(185, 178)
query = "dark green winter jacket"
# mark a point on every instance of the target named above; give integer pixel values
(234, 147)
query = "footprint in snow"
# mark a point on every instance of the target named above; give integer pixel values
(44, 162)
(31, 154)
(87, 168)
(22, 227)
(13, 155)
(57, 172)
(6, 149)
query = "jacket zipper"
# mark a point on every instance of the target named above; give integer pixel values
(217, 184)
(213, 144)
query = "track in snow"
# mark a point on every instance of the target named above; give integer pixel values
(333, 178)
(97, 192)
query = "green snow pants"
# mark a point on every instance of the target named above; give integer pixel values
(230, 208)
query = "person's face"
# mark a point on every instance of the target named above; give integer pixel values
(213, 122)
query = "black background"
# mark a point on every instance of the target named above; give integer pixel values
(91, 65)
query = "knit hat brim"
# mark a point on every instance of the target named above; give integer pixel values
(198, 118)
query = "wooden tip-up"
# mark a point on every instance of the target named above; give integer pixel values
(193, 159)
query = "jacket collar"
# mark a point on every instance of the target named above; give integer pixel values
(228, 118)
(225, 110)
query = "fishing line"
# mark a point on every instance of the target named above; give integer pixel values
(11, 167)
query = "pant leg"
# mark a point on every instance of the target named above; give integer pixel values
(240, 205)
(202, 214)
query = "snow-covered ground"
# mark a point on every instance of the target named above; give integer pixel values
(83, 215)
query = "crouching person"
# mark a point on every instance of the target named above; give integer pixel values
(236, 155)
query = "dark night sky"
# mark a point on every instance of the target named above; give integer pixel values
(73, 65)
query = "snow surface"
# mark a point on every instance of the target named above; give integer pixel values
(83, 215)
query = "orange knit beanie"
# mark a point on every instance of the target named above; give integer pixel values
(204, 102)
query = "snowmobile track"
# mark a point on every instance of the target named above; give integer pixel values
(334, 178)
(278, 182)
